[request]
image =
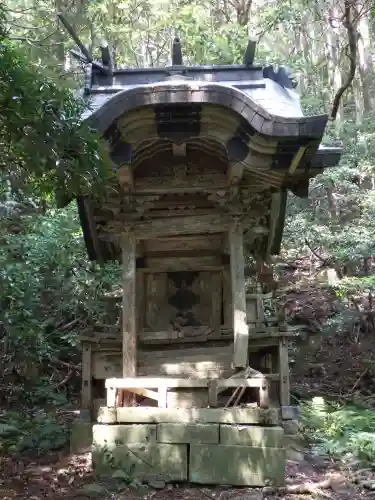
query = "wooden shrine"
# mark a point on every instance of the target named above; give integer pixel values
(203, 158)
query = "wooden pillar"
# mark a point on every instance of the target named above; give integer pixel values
(140, 300)
(129, 317)
(239, 318)
(86, 376)
(216, 302)
(284, 372)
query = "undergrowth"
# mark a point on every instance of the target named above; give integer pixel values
(35, 433)
(345, 433)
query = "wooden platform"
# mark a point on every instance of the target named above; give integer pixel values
(207, 360)
(160, 386)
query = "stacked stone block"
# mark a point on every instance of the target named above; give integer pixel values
(222, 452)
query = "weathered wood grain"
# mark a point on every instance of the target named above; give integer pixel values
(284, 372)
(187, 243)
(216, 301)
(235, 172)
(189, 184)
(86, 395)
(183, 263)
(227, 298)
(129, 327)
(140, 300)
(237, 265)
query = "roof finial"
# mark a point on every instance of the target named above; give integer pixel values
(106, 55)
(176, 52)
(249, 55)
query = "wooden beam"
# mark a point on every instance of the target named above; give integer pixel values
(125, 177)
(185, 244)
(241, 382)
(154, 382)
(274, 215)
(235, 173)
(166, 268)
(242, 374)
(182, 263)
(146, 393)
(165, 382)
(210, 223)
(129, 332)
(239, 319)
(112, 395)
(189, 184)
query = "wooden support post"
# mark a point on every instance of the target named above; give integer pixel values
(227, 298)
(260, 305)
(86, 376)
(111, 397)
(264, 396)
(140, 300)
(239, 319)
(251, 314)
(129, 328)
(212, 394)
(216, 301)
(162, 395)
(284, 372)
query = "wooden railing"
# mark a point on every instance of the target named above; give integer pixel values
(156, 388)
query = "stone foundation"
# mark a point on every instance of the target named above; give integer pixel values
(234, 446)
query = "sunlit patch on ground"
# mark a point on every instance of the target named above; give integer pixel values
(67, 476)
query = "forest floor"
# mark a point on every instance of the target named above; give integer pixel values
(338, 365)
(62, 476)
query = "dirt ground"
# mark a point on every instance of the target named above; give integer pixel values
(70, 477)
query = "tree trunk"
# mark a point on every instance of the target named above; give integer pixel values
(365, 67)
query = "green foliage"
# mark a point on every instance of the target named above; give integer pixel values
(46, 285)
(44, 147)
(37, 433)
(346, 433)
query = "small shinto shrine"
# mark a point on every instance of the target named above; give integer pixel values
(190, 381)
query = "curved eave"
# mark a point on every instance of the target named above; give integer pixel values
(195, 92)
(326, 157)
(302, 132)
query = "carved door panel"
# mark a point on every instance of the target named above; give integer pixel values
(185, 299)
